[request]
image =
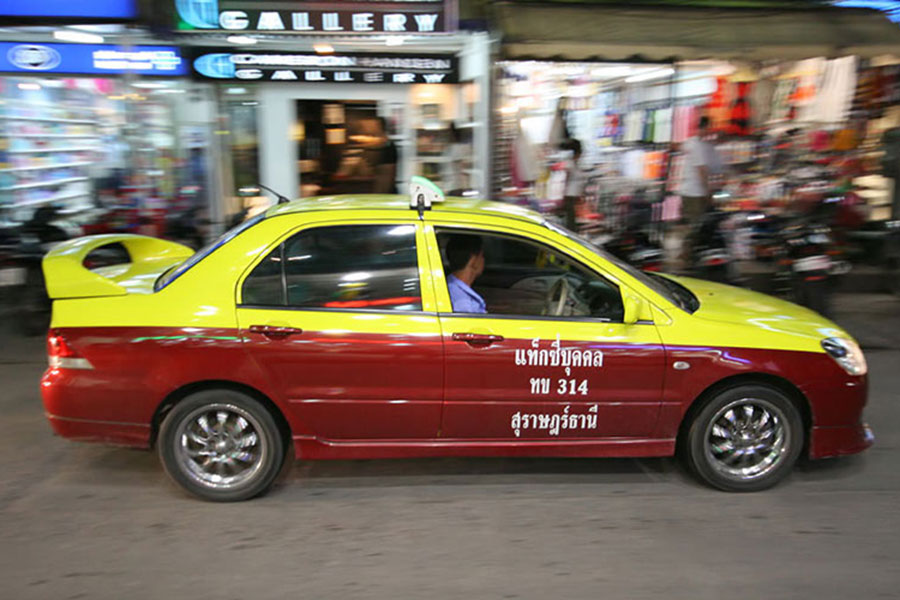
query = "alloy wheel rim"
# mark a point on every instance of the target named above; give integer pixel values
(219, 446)
(747, 439)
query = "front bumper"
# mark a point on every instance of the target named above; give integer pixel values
(840, 441)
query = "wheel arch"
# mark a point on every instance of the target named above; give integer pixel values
(179, 394)
(779, 383)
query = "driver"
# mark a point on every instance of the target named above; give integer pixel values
(465, 258)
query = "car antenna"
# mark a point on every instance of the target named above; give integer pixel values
(281, 199)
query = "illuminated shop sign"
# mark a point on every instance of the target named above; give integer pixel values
(428, 16)
(346, 68)
(90, 9)
(90, 59)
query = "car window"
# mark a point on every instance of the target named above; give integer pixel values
(525, 278)
(179, 270)
(350, 267)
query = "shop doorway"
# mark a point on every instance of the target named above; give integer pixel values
(344, 147)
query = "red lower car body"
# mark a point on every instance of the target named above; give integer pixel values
(355, 410)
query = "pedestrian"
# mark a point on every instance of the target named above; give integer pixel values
(701, 162)
(574, 182)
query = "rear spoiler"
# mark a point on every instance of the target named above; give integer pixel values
(67, 277)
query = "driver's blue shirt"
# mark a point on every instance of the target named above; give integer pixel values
(464, 298)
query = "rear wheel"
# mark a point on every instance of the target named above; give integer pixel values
(221, 445)
(745, 439)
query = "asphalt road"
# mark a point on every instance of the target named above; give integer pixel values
(85, 521)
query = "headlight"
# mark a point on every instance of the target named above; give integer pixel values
(846, 353)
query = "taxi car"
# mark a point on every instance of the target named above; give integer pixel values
(324, 326)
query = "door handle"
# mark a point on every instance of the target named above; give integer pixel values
(275, 333)
(477, 339)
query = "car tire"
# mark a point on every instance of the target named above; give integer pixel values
(221, 445)
(745, 438)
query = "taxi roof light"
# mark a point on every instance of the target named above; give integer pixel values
(423, 193)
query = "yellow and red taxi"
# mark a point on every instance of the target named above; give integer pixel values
(325, 326)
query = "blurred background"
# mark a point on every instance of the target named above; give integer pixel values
(754, 142)
(160, 118)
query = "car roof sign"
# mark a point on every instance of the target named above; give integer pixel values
(423, 193)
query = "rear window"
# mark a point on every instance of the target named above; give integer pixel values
(179, 270)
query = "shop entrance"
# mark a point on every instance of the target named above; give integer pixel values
(344, 147)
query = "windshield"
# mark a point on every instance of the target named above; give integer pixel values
(674, 292)
(178, 270)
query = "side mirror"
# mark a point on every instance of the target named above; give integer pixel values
(634, 306)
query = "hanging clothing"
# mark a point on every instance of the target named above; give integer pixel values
(662, 130)
(739, 122)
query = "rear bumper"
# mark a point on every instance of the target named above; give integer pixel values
(78, 409)
(840, 441)
(132, 435)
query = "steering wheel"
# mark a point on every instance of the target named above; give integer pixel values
(554, 307)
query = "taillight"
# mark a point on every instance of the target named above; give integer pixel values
(60, 355)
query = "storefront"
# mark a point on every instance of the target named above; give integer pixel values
(83, 122)
(820, 75)
(347, 101)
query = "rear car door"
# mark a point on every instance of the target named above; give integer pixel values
(515, 373)
(341, 319)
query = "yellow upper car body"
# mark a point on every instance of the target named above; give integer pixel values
(332, 319)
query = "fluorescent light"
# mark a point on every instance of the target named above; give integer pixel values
(650, 75)
(150, 85)
(236, 91)
(394, 40)
(79, 37)
(323, 48)
(241, 40)
(29, 86)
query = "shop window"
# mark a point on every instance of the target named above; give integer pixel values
(347, 267)
(524, 278)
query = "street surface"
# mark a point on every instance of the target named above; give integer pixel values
(86, 521)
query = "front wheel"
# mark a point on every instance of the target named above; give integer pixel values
(745, 439)
(221, 445)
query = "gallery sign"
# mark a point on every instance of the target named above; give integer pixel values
(332, 68)
(90, 59)
(342, 17)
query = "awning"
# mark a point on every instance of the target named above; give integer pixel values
(578, 32)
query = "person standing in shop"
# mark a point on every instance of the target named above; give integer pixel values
(386, 168)
(574, 182)
(701, 162)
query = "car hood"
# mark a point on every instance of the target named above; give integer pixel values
(728, 304)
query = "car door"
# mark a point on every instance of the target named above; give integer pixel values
(341, 318)
(517, 374)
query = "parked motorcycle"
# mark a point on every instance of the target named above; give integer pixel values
(38, 235)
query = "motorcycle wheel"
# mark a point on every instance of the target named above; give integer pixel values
(34, 305)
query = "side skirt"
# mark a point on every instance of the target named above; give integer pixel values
(310, 448)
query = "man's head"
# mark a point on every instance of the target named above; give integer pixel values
(703, 125)
(465, 256)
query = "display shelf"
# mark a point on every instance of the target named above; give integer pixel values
(53, 183)
(46, 167)
(39, 150)
(48, 120)
(49, 105)
(49, 199)
(80, 136)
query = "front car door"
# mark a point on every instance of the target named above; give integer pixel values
(549, 361)
(341, 317)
